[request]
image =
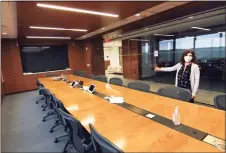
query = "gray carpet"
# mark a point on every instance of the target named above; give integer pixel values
(22, 129)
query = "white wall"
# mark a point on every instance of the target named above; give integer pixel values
(113, 55)
(111, 50)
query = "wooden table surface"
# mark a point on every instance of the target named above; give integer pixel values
(132, 132)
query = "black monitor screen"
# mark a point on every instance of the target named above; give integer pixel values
(43, 58)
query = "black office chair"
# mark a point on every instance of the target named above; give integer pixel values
(60, 120)
(51, 75)
(220, 102)
(175, 93)
(139, 86)
(116, 81)
(40, 86)
(101, 78)
(80, 73)
(49, 104)
(100, 143)
(90, 76)
(79, 137)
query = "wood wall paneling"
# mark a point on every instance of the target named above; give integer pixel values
(131, 52)
(14, 79)
(106, 64)
(90, 60)
(76, 56)
(98, 58)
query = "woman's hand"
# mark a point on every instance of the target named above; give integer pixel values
(193, 97)
(157, 69)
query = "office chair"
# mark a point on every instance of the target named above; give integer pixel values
(101, 78)
(175, 93)
(49, 103)
(40, 86)
(116, 81)
(100, 143)
(80, 73)
(51, 75)
(90, 76)
(220, 102)
(139, 86)
(60, 120)
(79, 137)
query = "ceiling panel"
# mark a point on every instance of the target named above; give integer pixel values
(28, 14)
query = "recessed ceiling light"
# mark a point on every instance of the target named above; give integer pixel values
(137, 14)
(146, 28)
(163, 35)
(190, 17)
(200, 28)
(102, 28)
(119, 35)
(52, 28)
(4, 33)
(76, 10)
(41, 37)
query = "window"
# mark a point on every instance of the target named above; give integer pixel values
(210, 50)
(181, 45)
(166, 53)
(43, 58)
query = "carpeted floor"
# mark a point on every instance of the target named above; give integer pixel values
(22, 129)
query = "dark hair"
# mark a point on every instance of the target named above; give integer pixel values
(185, 53)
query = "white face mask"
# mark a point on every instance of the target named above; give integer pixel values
(187, 58)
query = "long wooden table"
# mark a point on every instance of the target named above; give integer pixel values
(130, 131)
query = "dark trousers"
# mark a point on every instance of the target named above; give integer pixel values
(192, 100)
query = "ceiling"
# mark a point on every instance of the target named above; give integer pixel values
(162, 17)
(28, 14)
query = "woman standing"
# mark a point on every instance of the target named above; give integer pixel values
(188, 73)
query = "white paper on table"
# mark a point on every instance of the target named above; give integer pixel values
(85, 88)
(150, 115)
(116, 100)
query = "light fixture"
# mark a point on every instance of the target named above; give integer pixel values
(76, 10)
(190, 17)
(52, 28)
(102, 28)
(41, 37)
(163, 35)
(119, 35)
(145, 40)
(200, 28)
(146, 28)
(4, 33)
(137, 14)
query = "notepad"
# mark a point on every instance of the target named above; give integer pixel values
(150, 115)
(116, 100)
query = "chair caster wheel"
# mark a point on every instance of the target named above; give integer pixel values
(51, 131)
(64, 151)
(56, 141)
(43, 120)
(36, 102)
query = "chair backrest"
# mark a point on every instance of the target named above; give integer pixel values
(100, 143)
(79, 136)
(90, 76)
(220, 102)
(116, 81)
(175, 93)
(80, 73)
(50, 75)
(38, 83)
(102, 78)
(139, 86)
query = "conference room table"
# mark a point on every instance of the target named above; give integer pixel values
(132, 132)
